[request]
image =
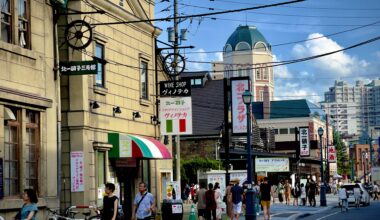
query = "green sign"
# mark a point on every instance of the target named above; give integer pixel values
(78, 67)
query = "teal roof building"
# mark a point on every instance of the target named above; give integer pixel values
(246, 38)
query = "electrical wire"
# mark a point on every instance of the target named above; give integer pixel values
(304, 7)
(201, 15)
(301, 41)
(286, 15)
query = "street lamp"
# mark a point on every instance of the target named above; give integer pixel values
(250, 201)
(323, 190)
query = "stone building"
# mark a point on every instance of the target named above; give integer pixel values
(115, 111)
(29, 105)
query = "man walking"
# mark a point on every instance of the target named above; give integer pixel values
(144, 204)
(201, 200)
(311, 193)
(375, 191)
(237, 196)
(265, 192)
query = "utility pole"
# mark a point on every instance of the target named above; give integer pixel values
(226, 140)
(175, 45)
(370, 155)
(327, 144)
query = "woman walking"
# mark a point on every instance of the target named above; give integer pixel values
(29, 209)
(218, 199)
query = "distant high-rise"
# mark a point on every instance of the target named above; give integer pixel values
(354, 109)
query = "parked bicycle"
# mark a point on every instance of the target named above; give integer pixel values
(70, 214)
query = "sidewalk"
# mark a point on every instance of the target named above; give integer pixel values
(285, 212)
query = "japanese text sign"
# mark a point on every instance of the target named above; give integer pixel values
(77, 171)
(331, 154)
(125, 146)
(272, 164)
(176, 115)
(79, 67)
(239, 111)
(304, 142)
(175, 88)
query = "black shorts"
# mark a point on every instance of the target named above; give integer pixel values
(202, 212)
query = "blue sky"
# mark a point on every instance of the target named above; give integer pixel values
(286, 24)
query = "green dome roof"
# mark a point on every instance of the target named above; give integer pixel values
(248, 34)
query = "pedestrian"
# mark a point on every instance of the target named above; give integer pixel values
(110, 203)
(258, 198)
(333, 187)
(296, 192)
(192, 192)
(218, 199)
(144, 203)
(265, 192)
(274, 192)
(307, 187)
(287, 190)
(29, 209)
(186, 193)
(303, 194)
(228, 200)
(281, 191)
(357, 194)
(343, 197)
(311, 193)
(237, 198)
(201, 200)
(210, 202)
(375, 191)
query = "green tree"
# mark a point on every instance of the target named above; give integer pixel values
(341, 153)
(189, 167)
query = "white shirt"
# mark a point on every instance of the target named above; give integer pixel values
(357, 192)
(342, 193)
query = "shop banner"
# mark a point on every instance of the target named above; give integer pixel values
(304, 142)
(173, 190)
(77, 177)
(239, 111)
(220, 178)
(272, 164)
(331, 154)
(176, 116)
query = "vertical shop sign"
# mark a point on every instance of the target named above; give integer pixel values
(304, 142)
(239, 111)
(331, 154)
(77, 178)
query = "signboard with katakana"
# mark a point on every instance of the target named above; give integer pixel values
(175, 88)
(176, 115)
(331, 154)
(304, 142)
(78, 67)
(239, 111)
(77, 171)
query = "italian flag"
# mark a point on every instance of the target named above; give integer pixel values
(170, 123)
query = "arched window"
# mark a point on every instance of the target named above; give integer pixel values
(227, 48)
(260, 46)
(243, 46)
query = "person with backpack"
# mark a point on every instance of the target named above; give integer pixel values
(311, 193)
(144, 203)
(237, 199)
(296, 192)
(210, 203)
(280, 189)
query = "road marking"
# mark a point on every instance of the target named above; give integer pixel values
(328, 215)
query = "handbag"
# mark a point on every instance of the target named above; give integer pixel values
(225, 199)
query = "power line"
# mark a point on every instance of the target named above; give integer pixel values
(304, 7)
(201, 15)
(310, 39)
(286, 15)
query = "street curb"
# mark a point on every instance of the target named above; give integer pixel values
(302, 215)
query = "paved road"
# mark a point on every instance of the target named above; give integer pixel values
(362, 213)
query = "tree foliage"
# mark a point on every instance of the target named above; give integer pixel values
(341, 153)
(189, 167)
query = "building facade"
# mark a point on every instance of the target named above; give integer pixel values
(29, 105)
(247, 53)
(110, 119)
(286, 117)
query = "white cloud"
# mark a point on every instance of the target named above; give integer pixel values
(196, 61)
(281, 71)
(339, 64)
(218, 56)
